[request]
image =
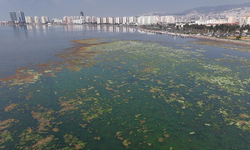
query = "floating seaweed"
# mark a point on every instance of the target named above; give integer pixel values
(74, 141)
(140, 89)
(7, 123)
(5, 136)
(10, 107)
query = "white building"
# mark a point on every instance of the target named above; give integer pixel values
(223, 21)
(78, 20)
(93, 19)
(201, 22)
(245, 20)
(44, 19)
(104, 20)
(88, 19)
(69, 19)
(56, 20)
(29, 19)
(154, 19)
(111, 20)
(216, 21)
(98, 20)
(125, 20)
(65, 19)
(147, 20)
(132, 20)
(118, 20)
(231, 19)
(37, 20)
(167, 19)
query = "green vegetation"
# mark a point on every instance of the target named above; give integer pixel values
(115, 94)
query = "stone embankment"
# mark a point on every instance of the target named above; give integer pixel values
(238, 42)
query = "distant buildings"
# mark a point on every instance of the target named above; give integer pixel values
(231, 19)
(118, 20)
(73, 20)
(93, 19)
(44, 19)
(234, 16)
(29, 19)
(88, 19)
(147, 20)
(104, 20)
(13, 16)
(81, 13)
(132, 20)
(78, 20)
(111, 20)
(57, 21)
(245, 20)
(36, 20)
(167, 19)
(98, 20)
(21, 17)
(124, 20)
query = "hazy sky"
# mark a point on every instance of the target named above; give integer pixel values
(115, 8)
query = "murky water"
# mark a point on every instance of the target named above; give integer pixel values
(105, 87)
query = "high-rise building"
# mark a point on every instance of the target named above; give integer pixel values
(93, 19)
(231, 19)
(29, 19)
(148, 20)
(81, 13)
(88, 19)
(167, 19)
(36, 20)
(21, 17)
(56, 20)
(98, 20)
(69, 19)
(117, 20)
(13, 16)
(125, 20)
(78, 19)
(104, 20)
(245, 20)
(111, 20)
(44, 19)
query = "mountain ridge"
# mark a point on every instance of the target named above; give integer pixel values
(214, 9)
(202, 10)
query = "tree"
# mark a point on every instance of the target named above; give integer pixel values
(238, 37)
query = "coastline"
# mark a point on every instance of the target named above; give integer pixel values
(235, 42)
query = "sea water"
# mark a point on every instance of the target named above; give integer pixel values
(112, 87)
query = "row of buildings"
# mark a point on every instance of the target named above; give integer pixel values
(245, 20)
(81, 19)
(148, 20)
(141, 20)
(27, 19)
(96, 20)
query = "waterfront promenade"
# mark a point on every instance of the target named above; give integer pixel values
(237, 42)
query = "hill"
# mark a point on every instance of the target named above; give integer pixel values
(214, 9)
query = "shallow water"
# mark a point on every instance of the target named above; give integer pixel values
(119, 89)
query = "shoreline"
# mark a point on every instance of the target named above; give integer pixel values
(236, 42)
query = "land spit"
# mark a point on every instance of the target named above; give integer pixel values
(236, 42)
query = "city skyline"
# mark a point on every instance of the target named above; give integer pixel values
(60, 8)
